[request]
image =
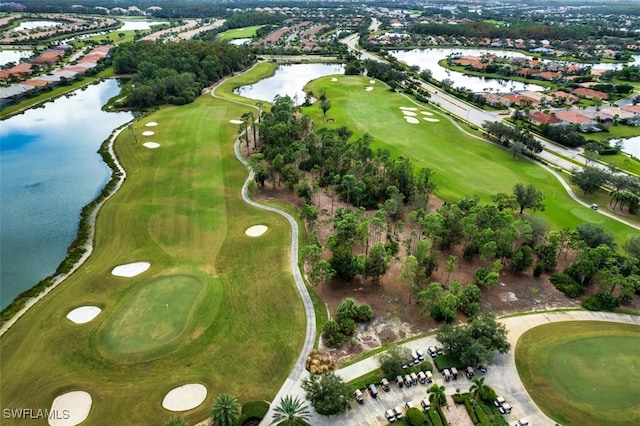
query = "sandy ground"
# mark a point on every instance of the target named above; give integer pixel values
(130, 269)
(148, 133)
(70, 409)
(409, 113)
(411, 120)
(83, 314)
(256, 230)
(235, 121)
(368, 89)
(185, 397)
(409, 108)
(334, 79)
(372, 82)
(426, 113)
(151, 124)
(430, 120)
(151, 145)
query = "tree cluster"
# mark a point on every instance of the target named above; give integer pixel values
(327, 393)
(174, 73)
(475, 342)
(518, 139)
(347, 315)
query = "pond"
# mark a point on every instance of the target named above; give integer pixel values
(50, 170)
(288, 80)
(631, 146)
(139, 25)
(429, 58)
(29, 25)
(10, 55)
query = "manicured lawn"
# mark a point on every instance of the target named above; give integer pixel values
(583, 372)
(245, 32)
(179, 209)
(464, 165)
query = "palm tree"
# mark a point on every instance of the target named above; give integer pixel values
(436, 395)
(225, 410)
(175, 421)
(291, 412)
(480, 391)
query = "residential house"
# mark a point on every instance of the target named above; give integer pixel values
(571, 117)
(589, 93)
(538, 118)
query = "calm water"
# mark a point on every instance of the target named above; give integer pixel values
(29, 25)
(49, 170)
(7, 56)
(289, 80)
(138, 25)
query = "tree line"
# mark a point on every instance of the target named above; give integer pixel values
(174, 73)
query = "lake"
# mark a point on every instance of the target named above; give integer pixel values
(49, 170)
(30, 25)
(288, 80)
(10, 55)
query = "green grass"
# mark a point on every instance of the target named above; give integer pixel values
(112, 37)
(583, 372)
(179, 209)
(245, 32)
(464, 165)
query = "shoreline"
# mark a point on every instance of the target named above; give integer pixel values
(118, 176)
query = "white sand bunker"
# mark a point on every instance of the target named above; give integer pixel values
(185, 397)
(72, 408)
(151, 145)
(412, 120)
(256, 230)
(235, 121)
(431, 120)
(151, 124)
(83, 314)
(148, 133)
(130, 269)
(368, 89)
(426, 113)
(408, 108)
(372, 82)
(334, 79)
(409, 113)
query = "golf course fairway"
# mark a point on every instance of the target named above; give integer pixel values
(237, 322)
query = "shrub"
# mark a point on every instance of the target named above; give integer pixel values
(434, 415)
(472, 414)
(253, 410)
(538, 270)
(332, 334)
(415, 417)
(482, 416)
(347, 326)
(601, 301)
(566, 284)
(365, 313)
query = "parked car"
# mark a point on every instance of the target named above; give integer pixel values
(505, 408)
(454, 373)
(425, 404)
(469, 372)
(373, 391)
(358, 395)
(422, 378)
(416, 358)
(414, 378)
(433, 351)
(384, 384)
(407, 380)
(446, 374)
(482, 368)
(399, 381)
(523, 422)
(390, 415)
(420, 353)
(429, 375)
(398, 412)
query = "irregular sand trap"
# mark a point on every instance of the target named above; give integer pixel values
(130, 269)
(408, 108)
(151, 145)
(151, 124)
(412, 120)
(368, 89)
(235, 121)
(185, 397)
(334, 79)
(256, 230)
(72, 408)
(409, 113)
(426, 113)
(431, 120)
(372, 82)
(83, 314)
(148, 133)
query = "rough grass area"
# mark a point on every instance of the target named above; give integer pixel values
(583, 372)
(179, 209)
(244, 32)
(464, 165)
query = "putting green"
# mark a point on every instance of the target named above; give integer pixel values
(583, 372)
(156, 315)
